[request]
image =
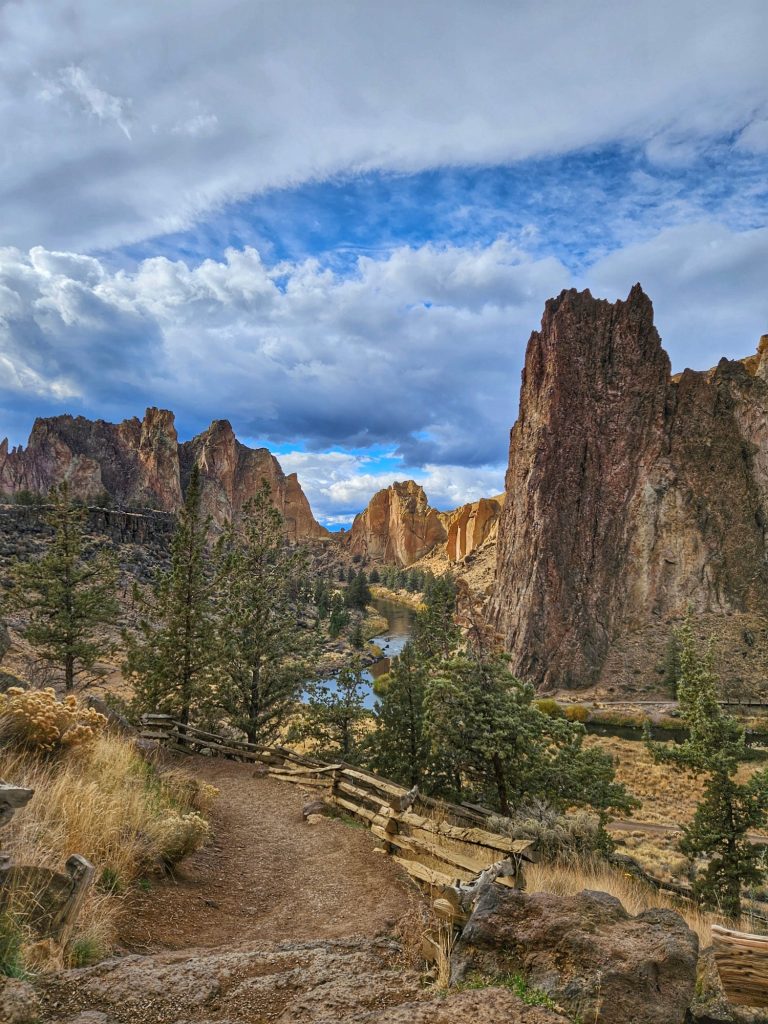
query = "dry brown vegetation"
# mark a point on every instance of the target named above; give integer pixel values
(101, 799)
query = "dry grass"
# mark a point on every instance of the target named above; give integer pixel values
(668, 795)
(105, 802)
(634, 895)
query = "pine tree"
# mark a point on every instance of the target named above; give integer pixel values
(374, 576)
(67, 593)
(358, 593)
(333, 715)
(435, 632)
(728, 810)
(264, 601)
(171, 661)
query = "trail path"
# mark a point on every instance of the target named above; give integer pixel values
(267, 875)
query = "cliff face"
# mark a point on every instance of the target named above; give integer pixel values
(141, 463)
(471, 526)
(630, 497)
(398, 526)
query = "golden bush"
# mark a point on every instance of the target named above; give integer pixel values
(178, 835)
(38, 720)
(577, 713)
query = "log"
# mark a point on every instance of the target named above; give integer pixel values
(374, 782)
(403, 802)
(521, 847)
(301, 780)
(742, 962)
(362, 812)
(11, 799)
(81, 872)
(424, 874)
(471, 866)
(355, 791)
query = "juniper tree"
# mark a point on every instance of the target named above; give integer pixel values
(265, 602)
(333, 715)
(67, 593)
(400, 746)
(171, 660)
(339, 616)
(728, 810)
(505, 750)
(358, 593)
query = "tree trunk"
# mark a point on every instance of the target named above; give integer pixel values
(501, 784)
(69, 672)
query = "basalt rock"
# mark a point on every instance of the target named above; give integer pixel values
(399, 526)
(140, 464)
(631, 497)
(586, 952)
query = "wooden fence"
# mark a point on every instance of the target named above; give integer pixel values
(445, 847)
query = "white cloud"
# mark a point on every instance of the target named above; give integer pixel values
(301, 91)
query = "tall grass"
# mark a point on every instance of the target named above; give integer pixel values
(104, 801)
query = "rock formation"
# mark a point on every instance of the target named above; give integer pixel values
(140, 464)
(586, 952)
(398, 526)
(631, 496)
(470, 526)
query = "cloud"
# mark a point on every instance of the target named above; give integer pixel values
(707, 285)
(125, 127)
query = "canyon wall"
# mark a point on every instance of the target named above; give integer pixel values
(631, 497)
(140, 464)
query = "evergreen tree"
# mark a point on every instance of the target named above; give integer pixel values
(171, 660)
(67, 593)
(339, 617)
(373, 576)
(484, 719)
(356, 637)
(728, 810)
(322, 598)
(400, 746)
(358, 593)
(333, 715)
(435, 632)
(263, 601)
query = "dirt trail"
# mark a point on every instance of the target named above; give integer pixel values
(267, 875)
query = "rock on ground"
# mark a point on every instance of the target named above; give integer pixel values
(586, 952)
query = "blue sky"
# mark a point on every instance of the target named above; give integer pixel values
(336, 225)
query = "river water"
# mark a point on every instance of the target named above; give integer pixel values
(400, 621)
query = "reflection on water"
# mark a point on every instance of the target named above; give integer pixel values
(399, 626)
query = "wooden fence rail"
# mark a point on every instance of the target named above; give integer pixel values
(446, 847)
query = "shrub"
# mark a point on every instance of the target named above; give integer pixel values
(107, 803)
(577, 713)
(559, 837)
(11, 940)
(37, 720)
(548, 706)
(178, 835)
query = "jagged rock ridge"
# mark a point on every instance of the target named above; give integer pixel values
(399, 526)
(630, 497)
(140, 463)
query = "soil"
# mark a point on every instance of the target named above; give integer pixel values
(267, 874)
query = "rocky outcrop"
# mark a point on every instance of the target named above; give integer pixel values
(470, 526)
(631, 496)
(398, 526)
(140, 463)
(350, 981)
(586, 952)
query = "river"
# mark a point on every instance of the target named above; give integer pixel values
(400, 621)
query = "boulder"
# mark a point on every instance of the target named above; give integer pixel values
(481, 1006)
(18, 1002)
(586, 952)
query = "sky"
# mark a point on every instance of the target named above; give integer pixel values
(336, 224)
